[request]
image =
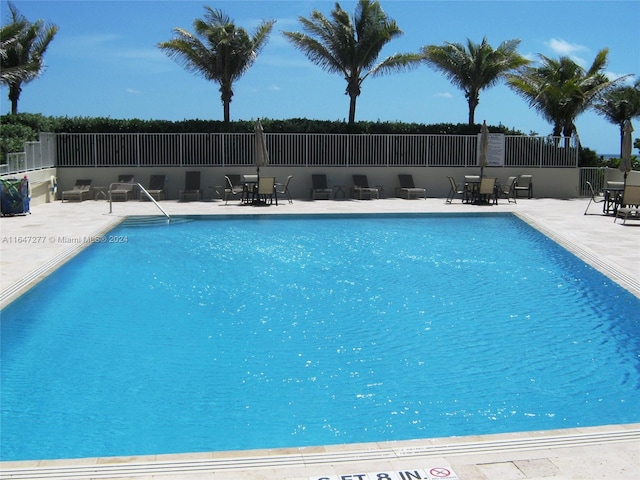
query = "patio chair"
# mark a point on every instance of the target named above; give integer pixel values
(612, 196)
(630, 204)
(81, 191)
(319, 187)
(122, 190)
(595, 198)
(191, 187)
(362, 189)
(487, 191)
(455, 190)
(266, 190)
(233, 187)
(508, 190)
(524, 183)
(156, 188)
(408, 189)
(283, 189)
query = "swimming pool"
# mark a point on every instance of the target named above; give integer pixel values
(274, 332)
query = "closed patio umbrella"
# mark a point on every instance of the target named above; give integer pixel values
(625, 163)
(261, 153)
(261, 157)
(483, 147)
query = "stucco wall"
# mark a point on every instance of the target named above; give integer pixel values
(547, 182)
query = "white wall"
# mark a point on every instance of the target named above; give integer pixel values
(547, 182)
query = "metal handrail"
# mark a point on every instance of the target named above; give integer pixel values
(142, 189)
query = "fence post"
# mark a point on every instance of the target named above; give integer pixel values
(94, 145)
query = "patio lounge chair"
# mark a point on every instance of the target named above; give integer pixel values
(319, 187)
(524, 184)
(122, 189)
(408, 189)
(233, 187)
(508, 190)
(81, 191)
(455, 190)
(156, 188)
(362, 189)
(594, 197)
(630, 204)
(283, 189)
(191, 187)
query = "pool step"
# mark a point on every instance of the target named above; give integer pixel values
(153, 220)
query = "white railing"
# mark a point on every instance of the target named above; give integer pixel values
(143, 191)
(36, 156)
(596, 176)
(303, 150)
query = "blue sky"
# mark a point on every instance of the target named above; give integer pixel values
(104, 61)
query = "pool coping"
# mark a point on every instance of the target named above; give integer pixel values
(349, 457)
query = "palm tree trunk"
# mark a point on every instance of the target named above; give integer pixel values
(226, 95)
(14, 96)
(352, 109)
(226, 110)
(473, 103)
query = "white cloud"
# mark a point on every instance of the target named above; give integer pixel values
(139, 54)
(562, 47)
(444, 95)
(566, 49)
(133, 91)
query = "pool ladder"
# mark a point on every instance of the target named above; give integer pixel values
(142, 189)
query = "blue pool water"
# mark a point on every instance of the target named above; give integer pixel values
(242, 333)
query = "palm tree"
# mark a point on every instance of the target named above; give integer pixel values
(561, 89)
(219, 51)
(474, 67)
(23, 47)
(620, 104)
(9, 35)
(351, 46)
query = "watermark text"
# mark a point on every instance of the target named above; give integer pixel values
(62, 239)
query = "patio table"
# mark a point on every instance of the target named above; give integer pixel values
(471, 188)
(612, 197)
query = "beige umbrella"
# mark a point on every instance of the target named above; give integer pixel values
(625, 163)
(261, 158)
(483, 147)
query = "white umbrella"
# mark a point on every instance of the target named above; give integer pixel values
(483, 147)
(625, 163)
(261, 153)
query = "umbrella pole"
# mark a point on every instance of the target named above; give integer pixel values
(256, 200)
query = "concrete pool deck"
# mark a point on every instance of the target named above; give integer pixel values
(32, 246)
